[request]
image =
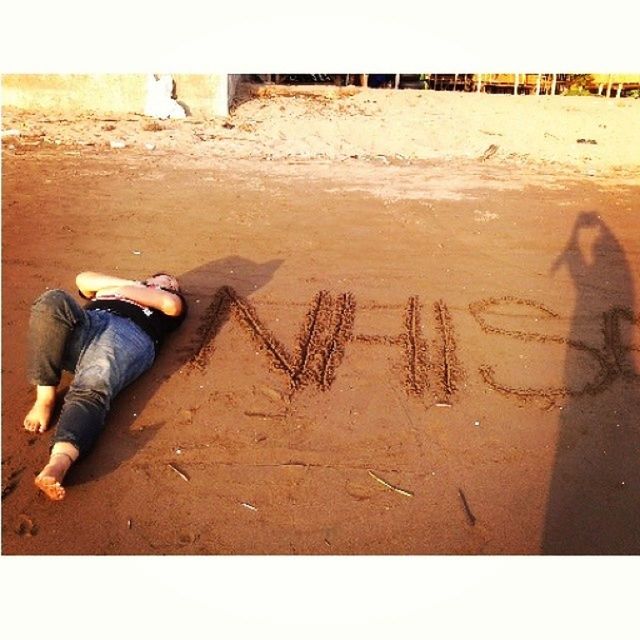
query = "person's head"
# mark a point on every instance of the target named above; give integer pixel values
(164, 281)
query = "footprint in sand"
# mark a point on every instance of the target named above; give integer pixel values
(187, 537)
(26, 526)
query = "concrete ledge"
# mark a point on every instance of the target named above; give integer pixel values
(204, 96)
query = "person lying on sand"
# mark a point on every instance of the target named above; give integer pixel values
(106, 345)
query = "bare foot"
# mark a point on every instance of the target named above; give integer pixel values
(49, 479)
(39, 416)
(50, 487)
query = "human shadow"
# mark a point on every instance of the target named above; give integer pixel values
(118, 442)
(594, 498)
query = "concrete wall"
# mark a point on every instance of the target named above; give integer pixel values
(205, 96)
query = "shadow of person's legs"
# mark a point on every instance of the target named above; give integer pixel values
(594, 496)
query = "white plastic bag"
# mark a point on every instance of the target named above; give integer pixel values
(160, 104)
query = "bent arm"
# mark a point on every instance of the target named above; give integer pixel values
(165, 301)
(90, 282)
(97, 285)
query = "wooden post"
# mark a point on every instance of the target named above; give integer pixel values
(364, 79)
(538, 84)
(609, 86)
(397, 81)
(479, 87)
(600, 88)
(554, 81)
(455, 82)
(619, 92)
(515, 84)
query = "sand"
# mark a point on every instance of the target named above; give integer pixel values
(384, 287)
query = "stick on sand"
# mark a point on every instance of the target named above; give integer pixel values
(390, 486)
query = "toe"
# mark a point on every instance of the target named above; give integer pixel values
(50, 487)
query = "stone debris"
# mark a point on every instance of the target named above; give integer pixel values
(10, 133)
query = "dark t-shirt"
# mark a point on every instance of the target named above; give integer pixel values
(155, 323)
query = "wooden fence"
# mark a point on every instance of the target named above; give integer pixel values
(515, 83)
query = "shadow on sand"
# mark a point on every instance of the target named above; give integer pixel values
(594, 498)
(118, 442)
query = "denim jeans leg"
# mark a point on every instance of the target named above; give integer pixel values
(55, 317)
(117, 351)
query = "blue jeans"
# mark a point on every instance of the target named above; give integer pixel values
(105, 352)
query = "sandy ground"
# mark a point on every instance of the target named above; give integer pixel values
(398, 287)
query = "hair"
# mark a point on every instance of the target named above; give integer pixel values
(164, 273)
